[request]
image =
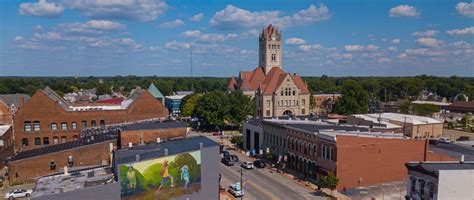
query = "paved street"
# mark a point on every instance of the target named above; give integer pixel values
(264, 183)
(454, 150)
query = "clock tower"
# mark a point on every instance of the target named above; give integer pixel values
(269, 51)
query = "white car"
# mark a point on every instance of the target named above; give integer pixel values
(18, 193)
(236, 191)
(247, 165)
(444, 140)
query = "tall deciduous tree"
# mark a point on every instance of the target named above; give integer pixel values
(188, 104)
(354, 99)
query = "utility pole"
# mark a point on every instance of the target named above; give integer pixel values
(191, 60)
(241, 184)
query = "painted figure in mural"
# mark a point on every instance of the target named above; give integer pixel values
(166, 176)
(132, 178)
(185, 176)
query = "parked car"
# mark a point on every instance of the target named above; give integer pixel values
(259, 164)
(247, 165)
(18, 193)
(225, 154)
(227, 161)
(433, 141)
(234, 158)
(444, 140)
(236, 191)
(217, 134)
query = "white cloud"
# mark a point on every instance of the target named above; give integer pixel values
(384, 60)
(465, 9)
(140, 10)
(295, 41)
(360, 48)
(404, 11)
(425, 52)
(343, 56)
(91, 27)
(38, 28)
(392, 49)
(172, 24)
(465, 31)
(175, 45)
(233, 17)
(18, 38)
(461, 45)
(428, 33)
(41, 9)
(191, 34)
(197, 17)
(395, 41)
(308, 47)
(428, 42)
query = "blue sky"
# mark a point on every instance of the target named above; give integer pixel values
(151, 37)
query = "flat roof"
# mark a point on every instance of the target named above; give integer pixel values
(66, 146)
(433, 168)
(412, 119)
(431, 103)
(176, 97)
(373, 119)
(55, 184)
(151, 125)
(156, 150)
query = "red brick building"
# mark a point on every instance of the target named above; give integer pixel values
(48, 119)
(357, 157)
(6, 143)
(9, 104)
(149, 132)
(93, 151)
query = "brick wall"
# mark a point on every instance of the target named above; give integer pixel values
(149, 136)
(30, 168)
(5, 114)
(7, 149)
(43, 109)
(369, 161)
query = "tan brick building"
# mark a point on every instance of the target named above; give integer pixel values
(48, 119)
(276, 93)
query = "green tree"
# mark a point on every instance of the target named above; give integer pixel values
(240, 106)
(465, 121)
(237, 139)
(312, 102)
(330, 181)
(188, 105)
(212, 108)
(354, 99)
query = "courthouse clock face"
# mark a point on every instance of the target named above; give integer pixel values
(273, 38)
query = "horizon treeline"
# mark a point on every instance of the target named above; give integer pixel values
(381, 88)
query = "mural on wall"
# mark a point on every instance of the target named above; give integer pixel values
(162, 178)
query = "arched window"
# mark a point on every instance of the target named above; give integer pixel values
(75, 137)
(24, 142)
(102, 123)
(55, 140)
(27, 126)
(36, 126)
(37, 141)
(63, 126)
(84, 124)
(93, 123)
(314, 150)
(63, 139)
(74, 125)
(54, 126)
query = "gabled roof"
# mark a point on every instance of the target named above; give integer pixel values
(14, 99)
(116, 101)
(252, 80)
(462, 104)
(232, 84)
(155, 92)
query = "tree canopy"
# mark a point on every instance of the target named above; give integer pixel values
(354, 99)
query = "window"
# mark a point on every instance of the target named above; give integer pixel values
(268, 112)
(422, 187)
(27, 126)
(431, 188)
(37, 141)
(303, 111)
(55, 140)
(294, 92)
(63, 139)
(70, 161)
(75, 137)
(93, 123)
(267, 103)
(74, 125)
(84, 124)
(36, 126)
(331, 154)
(102, 123)
(24, 142)
(413, 184)
(63, 126)
(282, 93)
(54, 126)
(52, 165)
(323, 151)
(46, 140)
(303, 102)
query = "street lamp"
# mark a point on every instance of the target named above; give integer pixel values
(241, 184)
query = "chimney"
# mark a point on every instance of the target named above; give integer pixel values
(130, 145)
(462, 159)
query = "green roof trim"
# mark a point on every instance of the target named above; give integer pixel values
(155, 92)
